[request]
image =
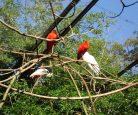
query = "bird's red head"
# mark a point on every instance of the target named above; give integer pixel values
(83, 48)
(53, 35)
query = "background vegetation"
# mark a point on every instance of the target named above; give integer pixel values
(33, 18)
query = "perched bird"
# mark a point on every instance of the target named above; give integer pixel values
(40, 73)
(50, 44)
(82, 52)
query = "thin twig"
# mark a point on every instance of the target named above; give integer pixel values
(67, 17)
(54, 16)
(25, 34)
(92, 102)
(8, 89)
(35, 84)
(84, 107)
(7, 73)
(12, 81)
(123, 7)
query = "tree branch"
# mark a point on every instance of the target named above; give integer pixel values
(25, 34)
(123, 7)
(58, 20)
(73, 98)
(84, 107)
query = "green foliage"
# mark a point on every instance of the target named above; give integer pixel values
(124, 103)
(34, 17)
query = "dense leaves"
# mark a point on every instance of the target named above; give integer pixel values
(34, 17)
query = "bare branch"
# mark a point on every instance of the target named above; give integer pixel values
(12, 81)
(21, 53)
(73, 98)
(123, 7)
(131, 4)
(25, 34)
(84, 107)
(74, 9)
(53, 16)
(88, 91)
(58, 20)
(7, 90)
(119, 13)
(79, 17)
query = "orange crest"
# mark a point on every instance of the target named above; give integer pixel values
(83, 48)
(53, 35)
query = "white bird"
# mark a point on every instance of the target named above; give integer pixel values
(40, 73)
(82, 52)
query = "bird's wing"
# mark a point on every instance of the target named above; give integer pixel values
(34, 73)
(37, 72)
(92, 63)
(95, 68)
(90, 59)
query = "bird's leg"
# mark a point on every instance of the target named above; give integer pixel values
(35, 84)
(52, 49)
(82, 84)
(94, 83)
(51, 67)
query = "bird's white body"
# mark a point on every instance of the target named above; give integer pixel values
(40, 73)
(91, 62)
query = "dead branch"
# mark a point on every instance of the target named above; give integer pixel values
(84, 107)
(57, 21)
(20, 52)
(25, 34)
(12, 81)
(123, 7)
(73, 98)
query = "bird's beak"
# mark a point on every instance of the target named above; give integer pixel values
(50, 75)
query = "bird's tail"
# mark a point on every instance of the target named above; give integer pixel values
(95, 68)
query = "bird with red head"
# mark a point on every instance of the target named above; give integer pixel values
(52, 36)
(83, 48)
(82, 52)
